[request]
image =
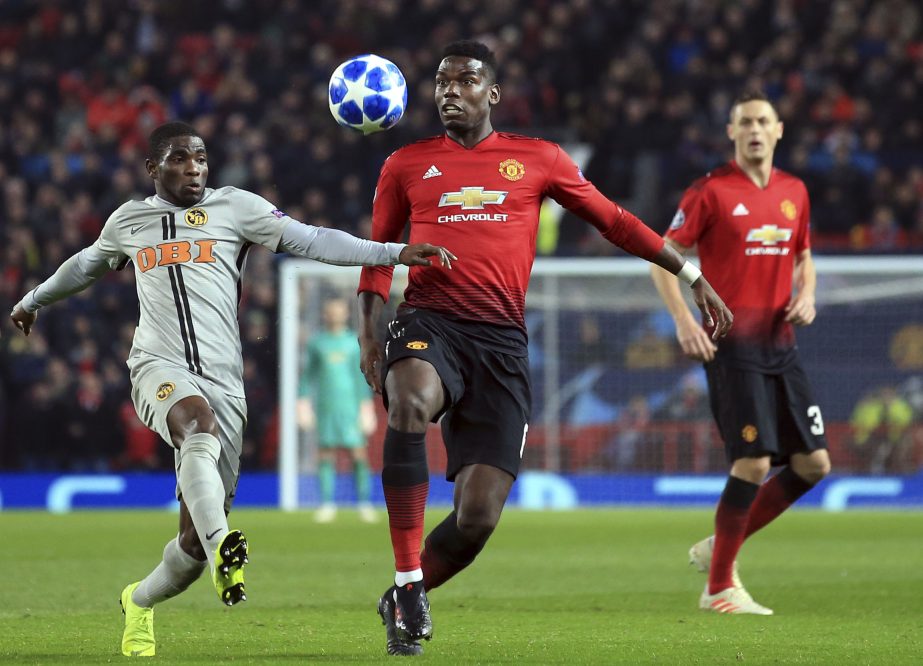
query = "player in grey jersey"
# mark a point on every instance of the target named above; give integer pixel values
(188, 244)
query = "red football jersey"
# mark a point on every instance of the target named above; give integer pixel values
(747, 240)
(483, 205)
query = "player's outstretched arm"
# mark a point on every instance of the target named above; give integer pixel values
(333, 246)
(74, 275)
(667, 268)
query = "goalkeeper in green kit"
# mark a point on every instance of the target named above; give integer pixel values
(336, 402)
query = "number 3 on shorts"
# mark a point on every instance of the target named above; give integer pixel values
(817, 422)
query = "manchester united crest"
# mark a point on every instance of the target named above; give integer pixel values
(417, 345)
(196, 217)
(512, 169)
(749, 433)
(788, 209)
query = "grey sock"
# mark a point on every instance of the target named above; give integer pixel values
(203, 491)
(175, 573)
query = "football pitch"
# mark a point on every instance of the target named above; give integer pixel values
(583, 587)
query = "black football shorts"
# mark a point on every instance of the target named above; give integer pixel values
(761, 414)
(488, 392)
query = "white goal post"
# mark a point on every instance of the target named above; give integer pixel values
(597, 327)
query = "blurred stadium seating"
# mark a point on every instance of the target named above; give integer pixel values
(645, 84)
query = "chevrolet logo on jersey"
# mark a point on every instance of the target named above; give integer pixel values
(472, 198)
(769, 236)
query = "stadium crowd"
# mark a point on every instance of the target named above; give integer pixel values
(645, 83)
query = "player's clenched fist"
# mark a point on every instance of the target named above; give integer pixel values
(23, 320)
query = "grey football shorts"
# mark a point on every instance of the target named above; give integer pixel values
(157, 385)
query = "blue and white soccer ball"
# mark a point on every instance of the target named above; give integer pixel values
(367, 93)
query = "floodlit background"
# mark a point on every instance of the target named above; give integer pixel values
(637, 91)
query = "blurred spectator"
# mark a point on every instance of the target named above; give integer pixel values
(883, 234)
(650, 348)
(142, 448)
(881, 424)
(35, 438)
(912, 392)
(629, 450)
(93, 438)
(686, 418)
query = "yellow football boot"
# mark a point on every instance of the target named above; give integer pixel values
(230, 558)
(138, 637)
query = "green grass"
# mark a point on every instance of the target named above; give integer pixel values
(585, 587)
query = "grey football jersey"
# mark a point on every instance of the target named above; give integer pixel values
(188, 264)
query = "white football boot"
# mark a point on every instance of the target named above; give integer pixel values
(733, 600)
(700, 555)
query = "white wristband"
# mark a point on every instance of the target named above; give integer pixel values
(689, 273)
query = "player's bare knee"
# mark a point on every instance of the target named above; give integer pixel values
(477, 519)
(191, 416)
(203, 421)
(762, 468)
(477, 526)
(822, 470)
(753, 470)
(410, 411)
(814, 476)
(812, 470)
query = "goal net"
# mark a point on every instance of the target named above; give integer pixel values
(614, 400)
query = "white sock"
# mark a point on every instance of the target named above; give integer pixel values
(175, 573)
(202, 490)
(404, 577)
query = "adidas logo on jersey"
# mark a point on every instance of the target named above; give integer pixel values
(739, 210)
(432, 172)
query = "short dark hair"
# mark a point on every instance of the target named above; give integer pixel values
(471, 48)
(752, 95)
(159, 139)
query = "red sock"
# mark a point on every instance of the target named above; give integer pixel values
(406, 507)
(774, 497)
(405, 480)
(436, 570)
(730, 528)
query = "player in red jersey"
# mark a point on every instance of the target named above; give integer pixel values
(751, 223)
(457, 349)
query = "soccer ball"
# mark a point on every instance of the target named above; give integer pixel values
(367, 93)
